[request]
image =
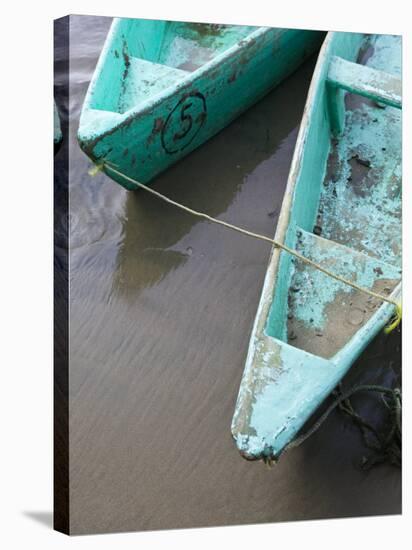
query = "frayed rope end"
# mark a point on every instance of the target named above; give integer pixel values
(396, 319)
(96, 168)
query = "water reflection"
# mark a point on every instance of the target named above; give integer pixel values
(230, 179)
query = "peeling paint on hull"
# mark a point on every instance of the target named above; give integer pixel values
(342, 208)
(161, 89)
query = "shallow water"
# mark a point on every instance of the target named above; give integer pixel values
(161, 309)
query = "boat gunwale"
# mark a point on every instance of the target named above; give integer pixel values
(287, 202)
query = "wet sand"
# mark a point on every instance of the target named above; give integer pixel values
(161, 309)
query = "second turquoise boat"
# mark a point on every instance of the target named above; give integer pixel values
(342, 210)
(163, 88)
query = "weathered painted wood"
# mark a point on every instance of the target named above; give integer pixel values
(362, 80)
(161, 89)
(358, 79)
(309, 329)
(336, 108)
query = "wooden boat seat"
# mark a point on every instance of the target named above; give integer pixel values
(343, 75)
(324, 313)
(145, 79)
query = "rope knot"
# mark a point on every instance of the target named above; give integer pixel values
(396, 319)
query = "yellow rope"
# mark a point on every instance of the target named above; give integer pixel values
(398, 309)
(396, 319)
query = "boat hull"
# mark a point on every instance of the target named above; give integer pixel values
(144, 141)
(341, 209)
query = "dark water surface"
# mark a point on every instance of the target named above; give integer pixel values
(161, 309)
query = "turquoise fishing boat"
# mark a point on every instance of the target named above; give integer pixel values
(162, 88)
(341, 209)
(57, 135)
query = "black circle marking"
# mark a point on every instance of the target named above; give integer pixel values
(184, 122)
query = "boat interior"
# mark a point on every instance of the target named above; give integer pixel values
(150, 56)
(345, 205)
